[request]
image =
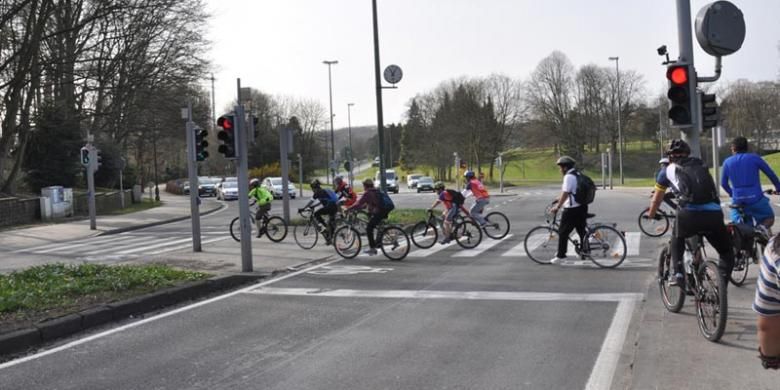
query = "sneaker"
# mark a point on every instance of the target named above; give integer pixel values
(445, 241)
(370, 251)
(557, 260)
(677, 280)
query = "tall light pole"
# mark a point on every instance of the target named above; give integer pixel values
(332, 141)
(620, 131)
(349, 126)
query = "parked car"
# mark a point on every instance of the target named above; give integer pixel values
(227, 190)
(185, 188)
(390, 178)
(425, 183)
(207, 186)
(376, 162)
(411, 180)
(274, 185)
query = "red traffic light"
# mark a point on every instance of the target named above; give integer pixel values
(225, 122)
(678, 75)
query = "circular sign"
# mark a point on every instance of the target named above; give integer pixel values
(720, 28)
(393, 74)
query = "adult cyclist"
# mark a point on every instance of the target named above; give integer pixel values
(329, 201)
(475, 187)
(699, 209)
(263, 199)
(346, 194)
(741, 181)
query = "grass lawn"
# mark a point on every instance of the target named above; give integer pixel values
(145, 204)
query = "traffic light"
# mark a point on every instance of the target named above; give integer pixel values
(679, 94)
(227, 135)
(85, 156)
(710, 112)
(347, 165)
(201, 144)
(98, 159)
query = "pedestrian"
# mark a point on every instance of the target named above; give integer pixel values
(767, 305)
(575, 215)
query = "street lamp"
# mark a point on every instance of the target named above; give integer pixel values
(620, 131)
(349, 126)
(332, 142)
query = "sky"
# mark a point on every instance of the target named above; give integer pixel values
(278, 46)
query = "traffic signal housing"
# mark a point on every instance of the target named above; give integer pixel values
(201, 143)
(227, 135)
(679, 94)
(347, 165)
(710, 112)
(85, 156)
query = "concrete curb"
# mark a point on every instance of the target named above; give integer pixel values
(24, 339)
(157, 223)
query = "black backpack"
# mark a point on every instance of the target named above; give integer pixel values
(386, 202)
(457, 197)
(695, 184)
(586, 189)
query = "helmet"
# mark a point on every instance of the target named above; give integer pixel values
(664, 160)
(368, 183)
(254, 182)
(438, 186)
(469, 174)
(315, 184)
(678, 146)
(566, 160)
(338, 180)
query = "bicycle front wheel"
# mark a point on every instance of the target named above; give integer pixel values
(740, 270)
(541, 244)
(306, 234)
(235, 228)
(496, 226)
(606, 247)
(424, 235)
(276, 229)
(394, 243)
(653, 227)
(467, 234)
(673, 297)
(712, 302)
(346, 241)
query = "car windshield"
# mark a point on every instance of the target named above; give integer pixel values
(415, 177)
(389, 175)
(230, 184)
(210, 181)
(276, 182)
(425, 179)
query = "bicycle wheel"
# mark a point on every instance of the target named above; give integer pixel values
(306, 234)
(424, 235)
(740, 270)
(361, 221)
(467, 234)
(653, 227)
(673, 297)
(235, 228)
(347, 242)
(541, 244)
(606, 247)
(394, 243)
(497, 226)
(712, 302)
(276, 229)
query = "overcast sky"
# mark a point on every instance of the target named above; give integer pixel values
(278, 46)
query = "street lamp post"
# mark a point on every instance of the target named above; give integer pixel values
(154, 151)
(349, 126)
(620, 131)
(332, 141)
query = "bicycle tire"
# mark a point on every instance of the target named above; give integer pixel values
(394, 243)
(235, 228)
(306, 235)
(673, 297)
(346, 241)
(424, 235)
(712, 302)
(653, 227)
(496, 226)
(606, 247)
(541, 244)
(467, 234)
(740, 270)
(275, 229)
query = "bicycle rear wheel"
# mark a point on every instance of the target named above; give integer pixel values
(673, 297)
(467, 234)
(606, 247)
(235, 228)
(541, 244)
(712, 302)
(346, 241)
(394, 243)
(497, 226)
(653, 227)
(306, 234)
(424, 235)
(276, 229)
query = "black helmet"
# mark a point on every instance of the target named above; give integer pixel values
(678, 146)
(566, 160)
(338, 180)
(315, 184)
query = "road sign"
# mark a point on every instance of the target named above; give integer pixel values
(393, 74)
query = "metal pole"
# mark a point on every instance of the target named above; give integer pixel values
(213, 106)
(609, 162)
(332, 139)
(620, 128)
(351, 162)
(283, 161)
(685, 41)
(300, 175)
(91, 168)
(156, 185)
(379, 115)
(243, 189)
(603, 171)
(121, 191)
(501, 172)
(192, 169)
(716, 157)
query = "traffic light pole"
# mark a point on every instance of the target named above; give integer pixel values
(379, 115)
(192, 169)
(685, 40)
(243, 189)
(284, 149)
(91, 168)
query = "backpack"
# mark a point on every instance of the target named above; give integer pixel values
(385, 201)
(695, 184)
(332, 197)
(586, 189)
(457, 197)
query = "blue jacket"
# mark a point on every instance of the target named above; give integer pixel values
(742, 170)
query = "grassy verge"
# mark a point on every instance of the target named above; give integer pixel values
(53, 290)
(145, 204)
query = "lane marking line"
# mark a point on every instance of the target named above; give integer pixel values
(481, 248)
(606, 363)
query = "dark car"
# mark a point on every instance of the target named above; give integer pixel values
(207, 187)
(425, 183)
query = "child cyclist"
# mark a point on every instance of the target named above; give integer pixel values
(453, 202)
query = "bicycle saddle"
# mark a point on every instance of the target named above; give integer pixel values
(589, 215)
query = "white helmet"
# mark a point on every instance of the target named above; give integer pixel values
(664, 160)
(254, 182)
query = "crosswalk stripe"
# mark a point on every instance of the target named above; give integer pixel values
(633, 239)
(61, 244)
(147, 247)
(430, 251)
(105, 246)
(171, 249)
(481, 248)
(533, 243)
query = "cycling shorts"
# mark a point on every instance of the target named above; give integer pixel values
(759, 211)
(452, 212)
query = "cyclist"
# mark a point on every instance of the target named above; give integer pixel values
(767, 305)
(669, 196)
(741, 169)
(453, 201)
(329, 201)
(263, 199)
(699, 209)
(346, 195)
(372, 201)
(575, 215)
(475, 187)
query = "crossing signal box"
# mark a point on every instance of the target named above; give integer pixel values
(85, 156)
(201, 143)
(710, 112)
(679, 94)
(227, 135)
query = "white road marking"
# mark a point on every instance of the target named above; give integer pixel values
(427, 252)
(147, 247)
(81, 241)
(633, 239)
(604, 370)
(533, 243)
(481, 248)
(129, 242)
(166, 250)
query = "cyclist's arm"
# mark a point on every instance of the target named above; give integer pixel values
(724, 179)
(764, 167)
(436, 203)
(661, 184)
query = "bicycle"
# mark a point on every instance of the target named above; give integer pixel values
(659, 225)
(273, 227)
(496, 224)
(703, 281)
(392, 240)
(464, 231)
(306, 235)
(606, 246)
(749, 241)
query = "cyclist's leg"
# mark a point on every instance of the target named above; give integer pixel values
(476, 210)
(762, 212)
(318, 216)
(581, 223)
(711, 223)
(680, 232)
(448, 218)
(568, 224)
(370, 226)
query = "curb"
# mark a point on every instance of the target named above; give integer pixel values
(24, 339)
(156, 223)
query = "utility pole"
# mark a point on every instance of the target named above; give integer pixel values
(192, 169)
(620, 130)
(685, 42)
(332, 138)
(350, 158)
(379, 114)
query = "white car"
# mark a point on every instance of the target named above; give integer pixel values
(227, 190)
(274, 186)
(390, 178)
(411, 180)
